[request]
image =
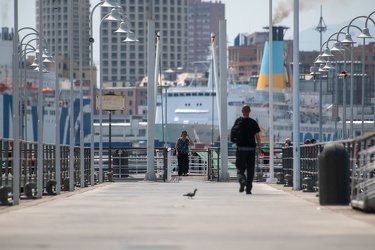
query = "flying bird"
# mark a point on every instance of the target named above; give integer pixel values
(191, 195)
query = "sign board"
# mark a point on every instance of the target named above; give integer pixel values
(111, 102)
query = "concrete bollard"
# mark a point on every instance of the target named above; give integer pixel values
(110, 176)
(66, 184)
(259, 177)
(334, 175)
(289, 180)
(308, 183)
(4, 195)
(281, 179)
(30, 190)
(51, 187)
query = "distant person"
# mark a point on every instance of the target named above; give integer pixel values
(313, 150)
(245, 155)
(288, 142)
(307, 141)
(10, 153)
(182, 153)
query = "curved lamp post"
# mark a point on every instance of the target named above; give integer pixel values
(326, 53)
(25, 49)
(112, 4)
(337, 47)
(316, 71)
(116, 14)
(57, 109)
(349, 40)
(15, 105)
(342, 51)
(112, 16)
(366, 34)
(40, 98)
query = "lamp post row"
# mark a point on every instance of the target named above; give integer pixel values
(20, 50)
(117, 15)
(328, 66)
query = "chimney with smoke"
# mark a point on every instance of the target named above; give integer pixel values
(280, 62)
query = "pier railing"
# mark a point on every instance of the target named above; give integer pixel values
(131, 164)
(363, 172)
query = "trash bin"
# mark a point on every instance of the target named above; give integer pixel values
(334, 177)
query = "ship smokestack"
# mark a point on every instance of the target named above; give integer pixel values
(280, 62)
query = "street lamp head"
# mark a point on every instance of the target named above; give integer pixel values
(321, 68)
(337, 47)
(320, 59)
(114, 16)
(328, 66)
(326, 52)
(110, 4)
(48, 60)
(365, 33)
(348, 39)
(44, 70)
(314, 70)
(124, 28)
(130, 38)
(35, 63)
(46, 54)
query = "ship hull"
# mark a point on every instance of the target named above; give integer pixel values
(29, 121)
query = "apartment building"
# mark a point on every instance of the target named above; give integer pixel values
(56, 26)
(127, 61)
(203, 20)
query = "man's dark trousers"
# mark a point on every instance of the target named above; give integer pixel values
(245, 161)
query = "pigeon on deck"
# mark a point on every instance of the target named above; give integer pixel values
(191, 195)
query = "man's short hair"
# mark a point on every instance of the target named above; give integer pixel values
(246, 108)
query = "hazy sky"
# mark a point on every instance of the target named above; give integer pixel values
(243, 16)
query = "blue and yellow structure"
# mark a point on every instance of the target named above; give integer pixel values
(282, 77)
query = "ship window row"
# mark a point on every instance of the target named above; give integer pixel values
(198, 104)
(191, 94)
(50, 112)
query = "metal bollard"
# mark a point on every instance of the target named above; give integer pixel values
(51, 187)
(289, 180)
(96, 177)
(281, 179)
(4, 195)
(110, 176)
(308, 183)
(30, 190)
(66, 184)
(259, 177)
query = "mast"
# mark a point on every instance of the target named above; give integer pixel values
(322, 27)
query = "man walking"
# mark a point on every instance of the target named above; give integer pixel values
(245, 155)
